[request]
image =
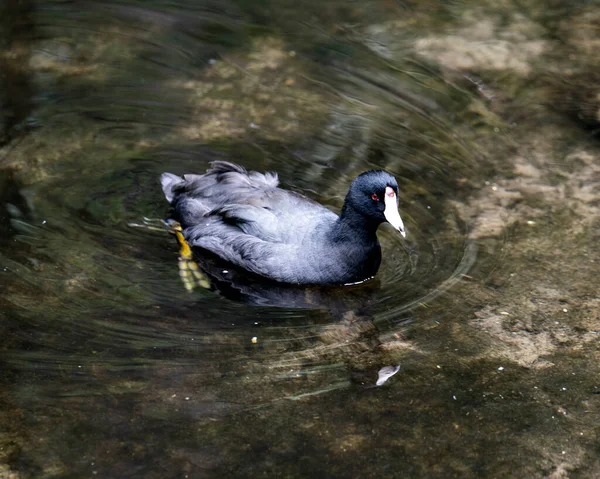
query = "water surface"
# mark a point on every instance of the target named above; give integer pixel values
(489, 307)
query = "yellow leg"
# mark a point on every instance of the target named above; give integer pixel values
(189, 272)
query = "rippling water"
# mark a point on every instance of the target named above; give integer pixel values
(112, 368)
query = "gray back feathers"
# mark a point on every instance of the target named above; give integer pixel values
(246, 219)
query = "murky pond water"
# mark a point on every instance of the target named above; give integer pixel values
(489, 307)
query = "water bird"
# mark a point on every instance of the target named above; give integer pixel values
(246, 219)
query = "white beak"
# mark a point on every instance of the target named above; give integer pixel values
(391, 211)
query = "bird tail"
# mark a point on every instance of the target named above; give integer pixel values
(168, 181)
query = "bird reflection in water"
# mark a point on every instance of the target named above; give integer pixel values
(351, 338)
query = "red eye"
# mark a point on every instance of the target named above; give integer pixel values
(374, 197)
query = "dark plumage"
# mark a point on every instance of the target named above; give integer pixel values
(246, 219)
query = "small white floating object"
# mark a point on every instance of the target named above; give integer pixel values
(385, 373)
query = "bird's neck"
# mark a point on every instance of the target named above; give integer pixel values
(352, 224)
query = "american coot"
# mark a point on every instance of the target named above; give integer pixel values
(246, 219)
